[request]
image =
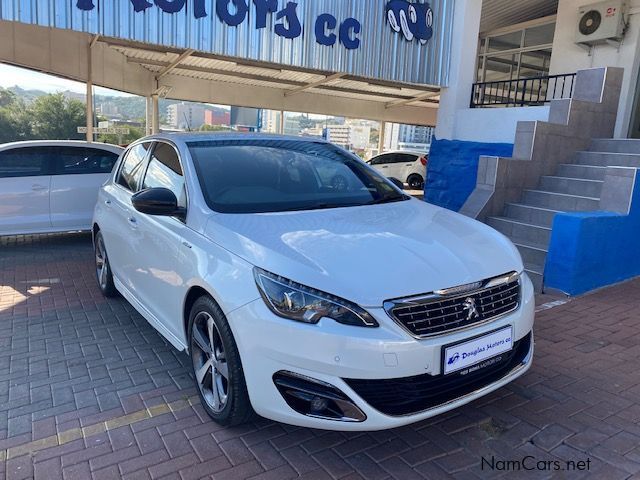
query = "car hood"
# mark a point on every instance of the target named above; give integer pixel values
(369, 254)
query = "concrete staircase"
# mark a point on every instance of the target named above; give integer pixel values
(574, 187)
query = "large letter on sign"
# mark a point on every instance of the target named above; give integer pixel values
(198, 9)
(232, 19)
(140, 5)
(325, 22)
(170, 6)
(350, 26)
(85, 5)
(263, 7)
(293, 28)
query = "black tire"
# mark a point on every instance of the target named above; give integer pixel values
(225, 399)
(415, 181)
(103, 267)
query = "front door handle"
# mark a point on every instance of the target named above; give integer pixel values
(107, 203)
(36, 187)
(133, 221)
(385, 166)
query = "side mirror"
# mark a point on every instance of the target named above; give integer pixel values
(396, 182)
(157, 201)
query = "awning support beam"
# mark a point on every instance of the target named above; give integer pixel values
(317, 83)
(417, 98)
(181, 58)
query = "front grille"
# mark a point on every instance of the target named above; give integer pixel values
(436, 314)
(409, 395)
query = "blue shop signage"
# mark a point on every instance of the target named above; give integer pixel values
(412, 19)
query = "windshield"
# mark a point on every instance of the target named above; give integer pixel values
(259, 176)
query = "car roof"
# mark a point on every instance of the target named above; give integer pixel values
(411, 152)
(61, 143)
(187, 137)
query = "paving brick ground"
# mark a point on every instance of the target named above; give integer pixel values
(89, 390)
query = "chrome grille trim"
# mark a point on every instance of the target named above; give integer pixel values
(435, 314)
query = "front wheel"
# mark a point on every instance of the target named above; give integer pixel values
(216, 365)
(416, 182)
(103, 268)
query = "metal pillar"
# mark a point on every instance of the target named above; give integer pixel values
(281, 123)
(383, 127)
(90, 91)
(155, 120)
(148, 120)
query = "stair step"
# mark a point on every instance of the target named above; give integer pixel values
(525, 232)
(591, 172)
(560, 201)
(530, 214)
(572, 186)
(532, 253)
(608, 159)
(619, 145)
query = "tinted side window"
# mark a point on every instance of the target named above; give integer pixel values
(405, 158)
(78, 160)
(132, 169)
(382, 159)
(164, 170)
(24, 162)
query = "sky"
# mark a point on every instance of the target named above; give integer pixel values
(29, 80)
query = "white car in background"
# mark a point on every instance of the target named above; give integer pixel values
(51, 186)
(344, 306)
(407, 166)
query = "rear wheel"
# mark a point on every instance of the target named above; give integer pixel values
(216, 365)
(415, 181)
(103, 268)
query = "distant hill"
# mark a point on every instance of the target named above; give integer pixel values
(129, 108)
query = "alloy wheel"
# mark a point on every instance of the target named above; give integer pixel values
(209, 361)
(102, 263)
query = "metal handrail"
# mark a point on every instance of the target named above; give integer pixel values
(523, 92)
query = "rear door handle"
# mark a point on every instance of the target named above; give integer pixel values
(133, 221)
(385, 166)
(107, 202)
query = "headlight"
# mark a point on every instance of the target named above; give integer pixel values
(304, 304)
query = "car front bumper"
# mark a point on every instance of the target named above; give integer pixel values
(333, 353)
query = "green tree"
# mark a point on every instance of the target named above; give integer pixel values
(374, 136)
(7, 98)
(133, 135)
(55, 117)
(15, 121)
(215, 128)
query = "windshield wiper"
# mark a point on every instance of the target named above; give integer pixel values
(388, 199)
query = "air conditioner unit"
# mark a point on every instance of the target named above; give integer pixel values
(601, 22)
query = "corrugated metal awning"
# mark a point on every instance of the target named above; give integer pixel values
(503, 13)
(291, 80)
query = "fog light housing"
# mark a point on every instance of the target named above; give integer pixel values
(319, 404)
(317, 399)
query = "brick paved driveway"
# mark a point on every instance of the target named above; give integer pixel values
(89, 390)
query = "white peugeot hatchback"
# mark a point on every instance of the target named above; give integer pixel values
(313, 305)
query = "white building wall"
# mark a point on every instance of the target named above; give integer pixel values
(464, 50)
(457, 121)
(567, 57)
(494, 125)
